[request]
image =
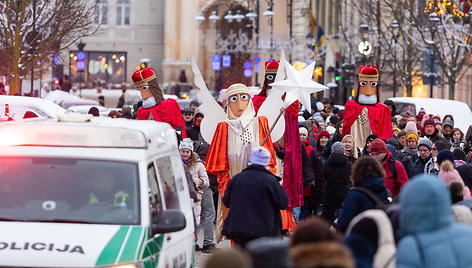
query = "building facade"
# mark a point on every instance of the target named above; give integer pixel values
(130, 33)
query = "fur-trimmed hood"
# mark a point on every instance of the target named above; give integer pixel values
(321, 254)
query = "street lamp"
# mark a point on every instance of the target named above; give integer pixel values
(229, 16)
(394, 26)
(434, 20)
(214, 16)
(365, 48)
(269, 14)
(238, 17)
(200, 18)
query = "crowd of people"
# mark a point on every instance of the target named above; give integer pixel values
(422, 174)
(376, 188)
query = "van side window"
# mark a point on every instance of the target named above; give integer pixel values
(156, 202)
(167, 180)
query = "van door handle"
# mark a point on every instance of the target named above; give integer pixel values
(169, 238)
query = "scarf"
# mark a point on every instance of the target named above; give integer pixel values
(410, 152)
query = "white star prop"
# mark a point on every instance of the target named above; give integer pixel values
(298, 85)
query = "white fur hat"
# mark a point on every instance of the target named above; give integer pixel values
(186, 144)
(260, 156)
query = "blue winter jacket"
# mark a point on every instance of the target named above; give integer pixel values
(357, 202)
(430, 238)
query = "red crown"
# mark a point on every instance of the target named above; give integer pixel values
(271, 66)
(143, 76)
(368, 71)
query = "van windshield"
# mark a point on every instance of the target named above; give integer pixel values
(69, 190)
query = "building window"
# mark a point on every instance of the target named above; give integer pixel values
(101, 67)
(100, 13)
(122, 13)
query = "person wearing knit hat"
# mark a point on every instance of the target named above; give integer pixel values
(424, 153)
(331, 130)
(396, 131)
(396, 179)
(447, 127)
(337, 171)
(155, 107)
(317, 167)
(449, 174)
(430, 132)
(368, 141)
(338, 148)
(411, 127)
(445, 155)
(254, 198)
(197, 170)
(409, 154)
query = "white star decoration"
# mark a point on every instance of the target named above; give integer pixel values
(299, 85)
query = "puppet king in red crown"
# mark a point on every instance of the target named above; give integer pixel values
(365, 115)
(154, 106)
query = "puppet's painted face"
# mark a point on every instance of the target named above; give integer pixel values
(238, 103)
(145, 91)
(270, 78)
(368, 90)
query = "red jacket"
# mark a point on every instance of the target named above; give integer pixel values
(389, 181)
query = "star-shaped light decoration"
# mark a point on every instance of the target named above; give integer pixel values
(299, 85)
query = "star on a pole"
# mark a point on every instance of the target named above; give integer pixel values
(299, 85)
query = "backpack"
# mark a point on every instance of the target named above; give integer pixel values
(391, 209)
(393, 169)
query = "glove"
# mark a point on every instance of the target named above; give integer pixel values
(281, 154)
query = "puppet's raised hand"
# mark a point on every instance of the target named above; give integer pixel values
(213, 113)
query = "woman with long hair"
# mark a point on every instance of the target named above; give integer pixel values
(351, 152)
(457, 139)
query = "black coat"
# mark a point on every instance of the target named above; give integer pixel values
(193, 131)
(254, 198)
(466, 174)
(327, 149)
(336, 172)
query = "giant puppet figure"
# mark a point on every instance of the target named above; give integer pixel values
(233, 142)
(365, 115)
(154, 106)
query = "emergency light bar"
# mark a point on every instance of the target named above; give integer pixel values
(70, 136)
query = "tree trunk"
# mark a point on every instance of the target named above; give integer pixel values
(451, 82)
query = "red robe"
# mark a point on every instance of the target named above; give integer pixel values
(379, 118)
(168, 111)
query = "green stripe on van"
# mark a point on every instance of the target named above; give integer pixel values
(111, 250)
(131, 247)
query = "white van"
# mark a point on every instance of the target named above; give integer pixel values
(460, 110)
(102, 193)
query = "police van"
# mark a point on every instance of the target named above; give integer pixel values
(100, 192)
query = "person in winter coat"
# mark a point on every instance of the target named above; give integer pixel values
(368, 141)
(366, 173)
(337, 136)
(336, 173)
(254, 198)
(316, 164)
(378, 150)
(432, 166)
(457, 140)
(409, 154)
(315, 244)
(430, 132)
(424, 151)
(430, 238)
(371, 240)
(193, 130)
(352, 152)
(197, 169)
(449, 175)
(305, 139)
